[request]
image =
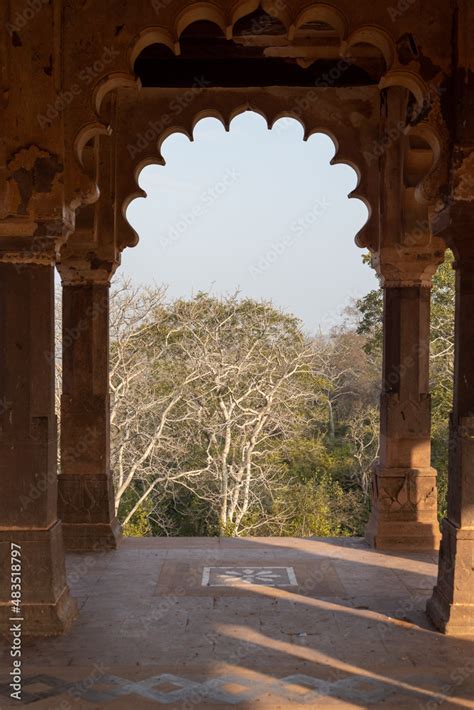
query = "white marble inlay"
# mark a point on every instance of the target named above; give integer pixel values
(241, 576)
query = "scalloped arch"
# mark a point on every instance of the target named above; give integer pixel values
(325, 130)
(288, 114)
(199, 11)
(427, 133)
(243, 108)
(375, 36)
(152, 35)
(241, 9)
(87, 133)
(209, 113)
(278, 9)
(320, 12)
(409, 80)
(171, 130)
(114, 80)
(423, 191)
(101, 90)
(338, 159)
(134, 239)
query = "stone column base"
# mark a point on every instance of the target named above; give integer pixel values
(86, 508)
(47, 608)
(451, 608)
(404, 510)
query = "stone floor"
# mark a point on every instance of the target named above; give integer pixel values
(253, 623)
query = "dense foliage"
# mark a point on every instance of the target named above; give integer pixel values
(228, 419)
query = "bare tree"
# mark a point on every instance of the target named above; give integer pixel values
(336, 373)
(363, 434)
(203, 390)
(147, 390)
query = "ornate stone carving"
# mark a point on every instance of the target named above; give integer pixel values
(407, 493)
(139, 134)
(369, 26)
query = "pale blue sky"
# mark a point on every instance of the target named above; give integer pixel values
(255, 210)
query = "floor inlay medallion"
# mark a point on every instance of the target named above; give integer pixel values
(237, 576)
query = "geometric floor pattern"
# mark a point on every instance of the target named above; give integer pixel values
(278, 623)
(166, 689)
(232, 576)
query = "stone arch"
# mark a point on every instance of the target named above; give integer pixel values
(410, 80)
(424, 157)
(320, 12)
(197, 12)
(375, 36)
(343, 155)
(241, 9)
(53, 164)
(279, 10)
(149, 36)
(288, 115)
(89, 121)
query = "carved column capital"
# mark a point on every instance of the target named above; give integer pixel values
(38, 244)
(400, 267)
(85, 271)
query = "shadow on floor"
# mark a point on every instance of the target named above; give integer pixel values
(250, 623)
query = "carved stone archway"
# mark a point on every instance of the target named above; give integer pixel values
(396, 101)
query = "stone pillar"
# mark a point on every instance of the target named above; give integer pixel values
(404, 501)
(86, 499)
(452, 605)
(28, 477)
